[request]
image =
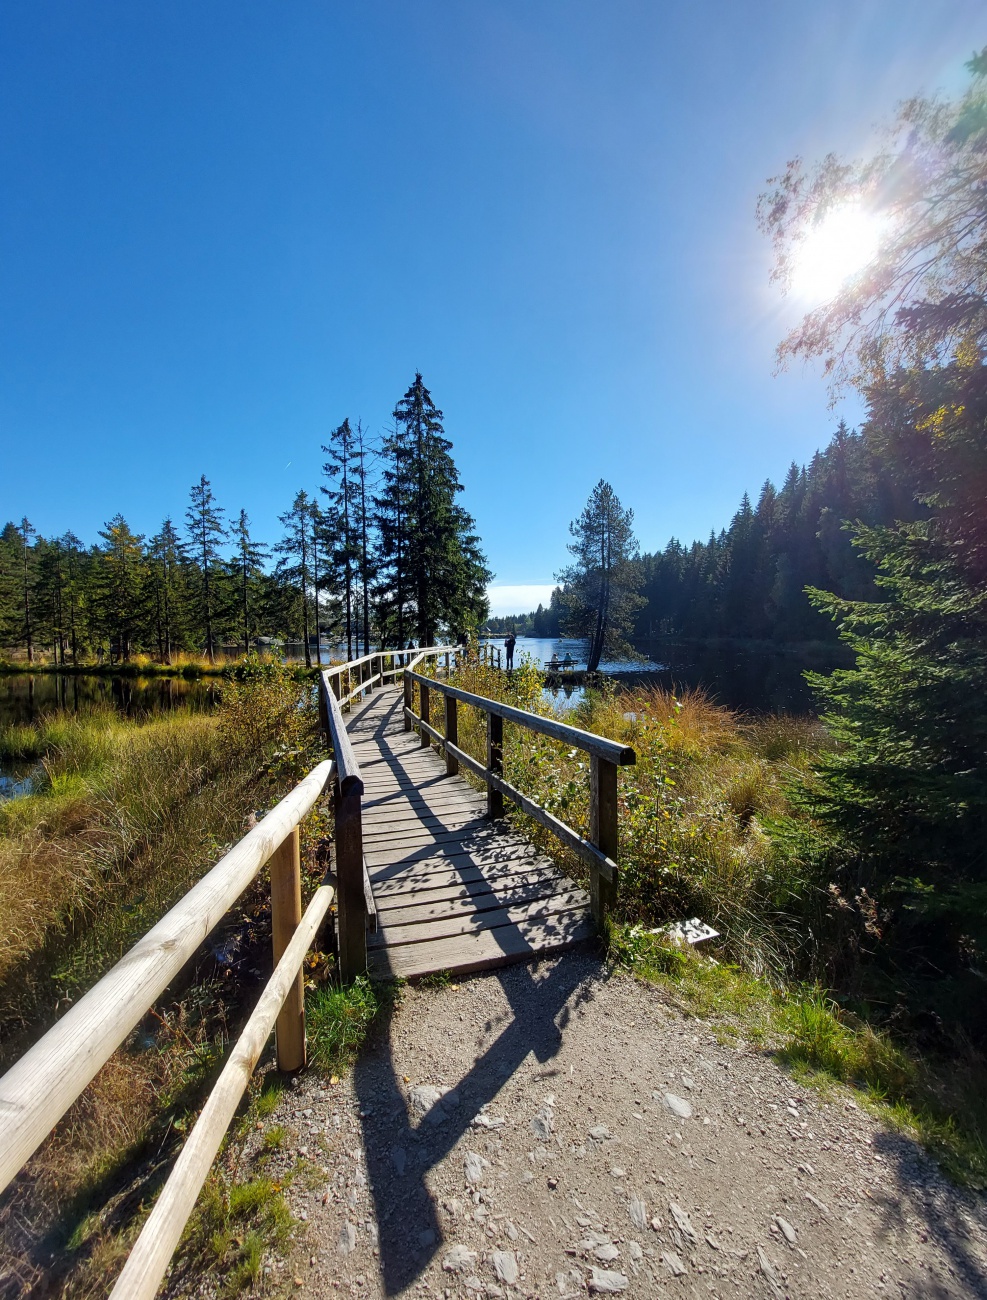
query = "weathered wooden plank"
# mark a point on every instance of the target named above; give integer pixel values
(396, 892)
(485, 950)
(544, 911)
(524, 894)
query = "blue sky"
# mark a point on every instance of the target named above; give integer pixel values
(226, 226)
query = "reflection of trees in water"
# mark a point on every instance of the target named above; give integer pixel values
(25, 696)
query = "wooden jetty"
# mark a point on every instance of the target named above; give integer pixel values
(427, 877)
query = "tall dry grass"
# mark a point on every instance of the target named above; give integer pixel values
(697, 810)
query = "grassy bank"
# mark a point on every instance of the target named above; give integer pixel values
(125, 817)
(187, 666)
(710, 827)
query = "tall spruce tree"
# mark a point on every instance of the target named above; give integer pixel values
(295, 565)
(247, 565)
(599, 589)
(907, 790)
(206, 530)
(445, 570)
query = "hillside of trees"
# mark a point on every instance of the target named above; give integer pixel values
(749, 580)
(380, 550)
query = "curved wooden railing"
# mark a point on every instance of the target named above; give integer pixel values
(38, 1090)
(599, 851)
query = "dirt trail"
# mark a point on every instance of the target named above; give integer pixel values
(552, 1130)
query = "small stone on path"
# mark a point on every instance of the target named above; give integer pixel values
(346, 1241)
(673, 1263)
(473, 1167)
(788, 1232)
(638, 1212)
(599, 1133)
(682, 1221)
(458, 1258)
(677, 1105)
(605, 1282)
(505, 1266)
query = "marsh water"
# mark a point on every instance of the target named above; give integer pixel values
(743, 677)
(751, 678)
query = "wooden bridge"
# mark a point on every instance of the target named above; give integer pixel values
(427, 876)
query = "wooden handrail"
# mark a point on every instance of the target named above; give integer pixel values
(599, 852)
(611, 750)
(162, 1231)
(39, 1088)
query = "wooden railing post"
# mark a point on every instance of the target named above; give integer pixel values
(409, 698)
(349, 886)
(337, 684)
(286, 912)
(602, 832)
(423, 713)
(452, 734)
(495, 762)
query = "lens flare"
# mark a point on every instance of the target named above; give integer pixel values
(834, 251)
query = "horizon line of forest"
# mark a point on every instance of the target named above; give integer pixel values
(343, 570)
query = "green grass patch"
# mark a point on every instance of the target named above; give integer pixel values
(941, 1103)
(338, 1017)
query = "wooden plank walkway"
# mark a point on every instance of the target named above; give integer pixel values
(453, 890)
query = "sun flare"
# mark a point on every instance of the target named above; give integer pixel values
(833, 251)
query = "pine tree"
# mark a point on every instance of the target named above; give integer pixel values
(27, 534)
(295, 565)
(120, 577)
(342, 516)
(166, 555)
(392, 512)
(599, 590)
(204, 521)
(247, 564)
(446, 570)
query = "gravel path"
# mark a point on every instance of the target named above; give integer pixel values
(552, 1130)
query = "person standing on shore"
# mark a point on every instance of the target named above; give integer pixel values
(509, 643)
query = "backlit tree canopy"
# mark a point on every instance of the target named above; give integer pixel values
(922, 299)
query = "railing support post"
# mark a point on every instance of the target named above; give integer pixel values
(424, 714)
(495, 762)
(409, 698)
(602, 832)
(286, 912)
(452, 734)
(352, 913)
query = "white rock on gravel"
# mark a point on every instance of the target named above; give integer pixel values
(458, 1258)
(682, 1221)
(599, 1133)
(677, 1105)
(346, 1241)
(605, 1282)
(473, 1167)
(787, 1231)
(770, 1273)
(638, 1212)
(541, 1125)
(673, 1263)
(505, 1266)
(606, 1253)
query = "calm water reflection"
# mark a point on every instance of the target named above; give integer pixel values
(26, 696)
(753, 679)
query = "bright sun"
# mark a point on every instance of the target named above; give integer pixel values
(837, 248)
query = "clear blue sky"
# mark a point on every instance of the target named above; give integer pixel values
(226, 226)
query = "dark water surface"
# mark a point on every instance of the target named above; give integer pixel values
(24, 697)
(750, 677)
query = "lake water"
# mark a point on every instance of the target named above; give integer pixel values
(753, 679)
(26, 696)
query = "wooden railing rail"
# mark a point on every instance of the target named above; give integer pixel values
(599, 852)
(37, 1091)
(368, 671)
(152, 1252)
(348, 811)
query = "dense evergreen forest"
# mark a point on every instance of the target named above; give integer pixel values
(750, 579)
(380, 549)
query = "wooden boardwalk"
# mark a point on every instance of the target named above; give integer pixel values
(453, 890)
